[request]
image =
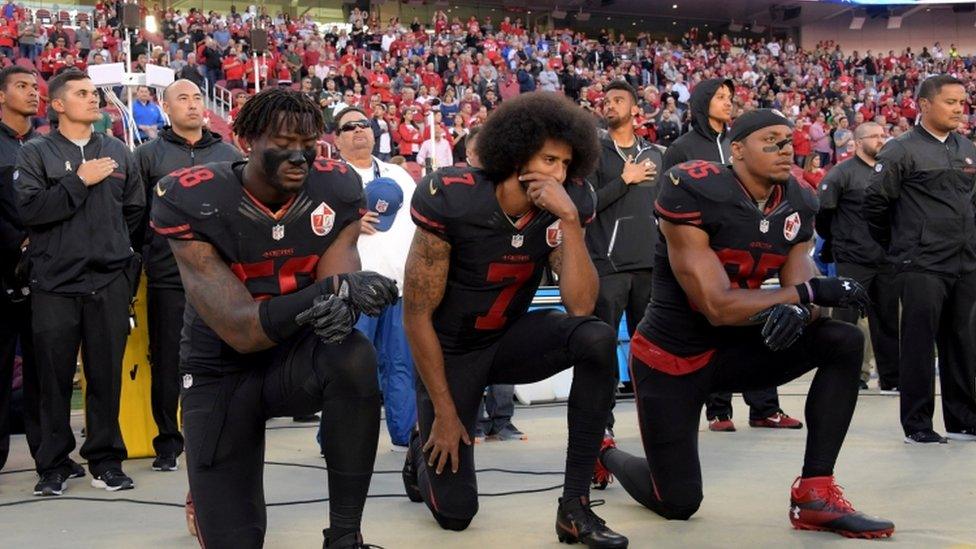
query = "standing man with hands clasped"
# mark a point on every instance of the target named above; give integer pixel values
(919, 207)
(80, 195)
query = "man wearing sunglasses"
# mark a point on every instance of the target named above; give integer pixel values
(711, 327)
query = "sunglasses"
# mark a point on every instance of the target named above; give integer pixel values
(354, 125)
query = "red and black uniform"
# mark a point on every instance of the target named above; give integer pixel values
(488, 337)
(227, 396)
(679, 357)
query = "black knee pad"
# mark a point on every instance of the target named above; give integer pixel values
(453, 524)
(681, 508)
(348, 369)
(592, 341)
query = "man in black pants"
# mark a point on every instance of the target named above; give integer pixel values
(626, 182)
(726, 230)
(184, 144)
(18, 103)
(255, 274)
(483, 239)
(708, 139)
(919, 207)
(81, 198)
(847, 241)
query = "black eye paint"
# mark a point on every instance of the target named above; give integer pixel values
(273, 158)
(778, 146)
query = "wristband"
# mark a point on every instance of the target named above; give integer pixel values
(278, 314)
(805, 291)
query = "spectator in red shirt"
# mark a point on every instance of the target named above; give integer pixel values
(234, 70)
(410, 135)
(813, 173)
(802, 147)
(8, 35)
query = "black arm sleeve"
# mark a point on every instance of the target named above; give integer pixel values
(278, 313)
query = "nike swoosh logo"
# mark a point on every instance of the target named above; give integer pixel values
(674, 179)
(433, 190)
(774, 419)
(159, 190)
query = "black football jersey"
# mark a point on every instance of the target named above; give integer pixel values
(272, 253)
(496, 262)
(752, 245)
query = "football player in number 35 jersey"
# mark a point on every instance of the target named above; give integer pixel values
(267, 254)
(712, 327)
(483, 239)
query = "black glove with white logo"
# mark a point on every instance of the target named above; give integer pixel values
(330, 317)
(368, 292)
(835, 292)
(784, 324)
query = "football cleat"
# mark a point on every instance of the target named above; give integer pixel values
(818, 503)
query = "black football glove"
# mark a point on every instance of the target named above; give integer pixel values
(368, 292)
(330, 317)
(835, 292)
(783, 325)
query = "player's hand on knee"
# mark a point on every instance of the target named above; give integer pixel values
(368, 292)
(443, 444)
(330, 317)
(835, 292)
(783, 325)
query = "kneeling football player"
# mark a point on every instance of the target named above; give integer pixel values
(267, 254)
(484, 237)
(712, 328)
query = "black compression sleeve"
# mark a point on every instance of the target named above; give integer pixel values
(278, 313)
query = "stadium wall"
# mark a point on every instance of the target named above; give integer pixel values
(917, 30)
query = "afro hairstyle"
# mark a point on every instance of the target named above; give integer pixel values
(520, 126)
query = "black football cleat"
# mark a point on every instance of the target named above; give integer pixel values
(577, 523)
(353, 540)
(410, 483)
(818, 503)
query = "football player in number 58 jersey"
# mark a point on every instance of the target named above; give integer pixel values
(483, 238)
(712, 327)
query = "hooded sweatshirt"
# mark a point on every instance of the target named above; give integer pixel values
(702, 142)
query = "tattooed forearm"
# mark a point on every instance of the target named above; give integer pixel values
(426, 273)
(556, 261)
(219, 297)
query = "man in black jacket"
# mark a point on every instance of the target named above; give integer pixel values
(80, 196)
(711, 113)
(622, 238)
(919, 207)
(18, 102)
(840, 222)
(184, 144)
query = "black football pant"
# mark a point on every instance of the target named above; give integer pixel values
(628, 292)
(936, 312)
(165, 308)
(224, 417)
(669, 480)
(14, 326)
(539, 344)
(99, 324)
(882, 316)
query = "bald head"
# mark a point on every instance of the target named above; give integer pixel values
(180, 86)
(183, 103)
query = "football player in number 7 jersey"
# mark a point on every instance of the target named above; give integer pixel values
(484, 237)
(267, 254)
(712, 327)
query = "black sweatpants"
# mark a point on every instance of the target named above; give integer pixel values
(936, 312)
(15, 326)
(99, 324)
(627, 292)
(224, 417)
(538, 345)
(669, 480)
(882, 316)
(165, 308)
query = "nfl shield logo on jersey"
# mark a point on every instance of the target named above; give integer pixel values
(518, 240)
(791, 227)
(381, 206)
(554, 234)
(323, 218)
(278, 232)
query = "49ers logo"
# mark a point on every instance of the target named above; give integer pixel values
(791, 227)
(554, 234)
(322, 218)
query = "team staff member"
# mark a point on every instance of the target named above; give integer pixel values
(18, 102)
(273, 288)
(919, 207)
(80, 195)
(184, 144)
(841, 224)
(620, 240)
(711, 114)
(386, 232)
(712, 327)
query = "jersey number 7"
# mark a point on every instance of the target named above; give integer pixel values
(519, 274)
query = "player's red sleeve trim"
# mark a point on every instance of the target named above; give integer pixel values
(426, 221)
(693, 218)
(170, 230)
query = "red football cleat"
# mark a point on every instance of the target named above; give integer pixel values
(721, 424)
(818, 503)
(191, 517)
(601, 475)
(779, 420)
